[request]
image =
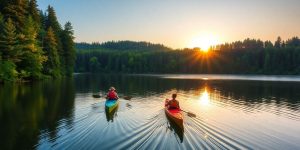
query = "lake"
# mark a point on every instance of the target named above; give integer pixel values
(232, 112)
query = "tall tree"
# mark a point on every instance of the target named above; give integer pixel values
(1, 32)
(68, 48)
(8, 51)
(34, 12)
(42, 29)
(268, 44)
(17, 11)
(51, 21)
(278, 42)
(51, 66)
(9, 42)
(32, 58)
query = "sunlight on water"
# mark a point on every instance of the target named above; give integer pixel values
(205, 98)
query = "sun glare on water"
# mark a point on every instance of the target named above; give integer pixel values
(204, 98)
(204, 41)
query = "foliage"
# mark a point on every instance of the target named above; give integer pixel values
(67, 37)
(31, 42)
(52, 64)
(32, 57)
(242, 57)
(9, 42)
(123, 46)
(7, 71)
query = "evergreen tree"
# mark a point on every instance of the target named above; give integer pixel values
(1, 23)
(51, 66)
(9, 42)
(68, 48)
(268, 44)
(51, 21)
(278, 42)
(34, 12)
(17, 11)
(42, 29)
(1, 32)
(8, 51)
(32, 58)
(26, 33)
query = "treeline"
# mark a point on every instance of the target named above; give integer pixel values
(252, 44)
(33, 45)
(247, 57)
(122, 46)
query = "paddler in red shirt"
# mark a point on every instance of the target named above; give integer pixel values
(112, 94)
(173, 103)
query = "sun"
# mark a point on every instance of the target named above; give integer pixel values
(204, 41)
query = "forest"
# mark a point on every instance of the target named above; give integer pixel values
(33, 44)
(250, 56)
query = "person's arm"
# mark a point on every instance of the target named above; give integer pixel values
(117, 96)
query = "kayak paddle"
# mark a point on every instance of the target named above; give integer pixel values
(190, 114)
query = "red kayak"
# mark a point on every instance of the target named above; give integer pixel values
(174, 115)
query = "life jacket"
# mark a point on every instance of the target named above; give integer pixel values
(173, 104)
(112, 95)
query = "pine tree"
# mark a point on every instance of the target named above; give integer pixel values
(8, 49)
(32, 58)
(26, 34)
(51, 66)
(278, 42)
(34, 12)
(52, 22)
(17, 11)
(42, 30)
(1, 32)
(9, 42)
(68, 48)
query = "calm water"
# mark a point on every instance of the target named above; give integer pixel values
(260, 113)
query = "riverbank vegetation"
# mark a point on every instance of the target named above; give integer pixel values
(33, 45)
(249, 56)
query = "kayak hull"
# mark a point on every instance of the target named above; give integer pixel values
(174, 115)
(110, 115)
(111, 105)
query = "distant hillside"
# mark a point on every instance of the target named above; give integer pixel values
(122, 46)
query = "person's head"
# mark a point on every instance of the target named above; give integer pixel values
(174, 96)
(112, 89)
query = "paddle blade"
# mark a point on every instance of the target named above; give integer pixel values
(127, 97)
(96, 96)
(191, 114)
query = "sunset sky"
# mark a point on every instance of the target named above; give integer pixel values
(178, 23)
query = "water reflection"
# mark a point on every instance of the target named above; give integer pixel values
(173, 127)
(26, 110)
